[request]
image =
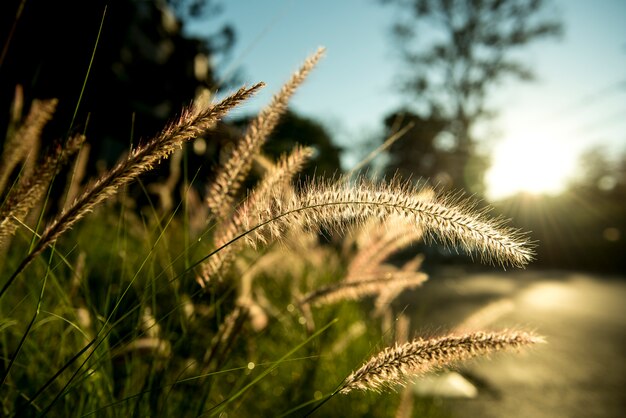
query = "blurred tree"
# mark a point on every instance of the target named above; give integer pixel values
(456, 51)
(584, 227)
(428, 150)
(296, 129)
(415, 152)
(144, 69)
(599, 194)
(598, 173)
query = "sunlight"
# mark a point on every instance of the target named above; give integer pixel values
(529, 162)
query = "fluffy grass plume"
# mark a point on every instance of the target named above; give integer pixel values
(333, 205)
(398, 364)
(142, 159)
(22, 145)
(221, 192)
(23, 197)
(192, 123)
(378, 242)
(358, 289)
(277, 178)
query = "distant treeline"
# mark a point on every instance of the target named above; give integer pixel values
(583, 228)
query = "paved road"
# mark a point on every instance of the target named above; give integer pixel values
(581, 372)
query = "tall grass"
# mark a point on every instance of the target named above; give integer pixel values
(103, 313)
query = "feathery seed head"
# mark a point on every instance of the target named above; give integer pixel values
(141, 160)
(357, 289)
(221, 192)
(398, 364)
(333, 205)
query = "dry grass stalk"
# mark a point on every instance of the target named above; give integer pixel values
(398, 364)
(157, 347)
(358, 289)
(149, 325)
(405, 406)
(76, 176)
(277, 178)
(403, 328)
(226, 334)
(414, 263)
(397, 134)
(334, 205)
(222, 191)
(347, 338)
(17, 106)
(22, 146)
(78, 275)
(197, 210)
(165, 190)
(387, 296)
(384, 240)
(191, 124)
(22, 198)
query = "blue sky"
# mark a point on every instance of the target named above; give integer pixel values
(578, 99)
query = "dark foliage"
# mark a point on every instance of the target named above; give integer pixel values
(144, 68)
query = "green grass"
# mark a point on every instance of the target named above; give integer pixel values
(80, 358)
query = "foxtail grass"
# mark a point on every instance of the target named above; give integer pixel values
(22, 145)
(358, 289)
(191, 123)
(333, 206)
(397, 365)
(278, 177)
(214, 323)
(383, 240)
(23, 197)
(229, 176)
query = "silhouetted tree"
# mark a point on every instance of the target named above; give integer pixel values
(415, 152)
(144, 69)
(455, 52)
(598, 173)
(427, 152)
(296, 129)
(585, 226)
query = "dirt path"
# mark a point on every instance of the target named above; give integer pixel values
(581, 372)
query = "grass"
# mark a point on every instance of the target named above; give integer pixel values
(108, 311)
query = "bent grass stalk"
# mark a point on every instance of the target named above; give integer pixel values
(333, 206)
(221, 192)
(189, 126)
(357, 289)
(277, 178)
(398, 364)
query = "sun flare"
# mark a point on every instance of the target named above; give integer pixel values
(529, 162)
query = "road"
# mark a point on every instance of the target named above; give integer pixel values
(580, 372)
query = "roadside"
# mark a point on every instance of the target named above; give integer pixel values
(581, 372)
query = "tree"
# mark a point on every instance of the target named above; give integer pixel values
(144, 68)
(584, 227)
(456, 51)
(297, 129)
